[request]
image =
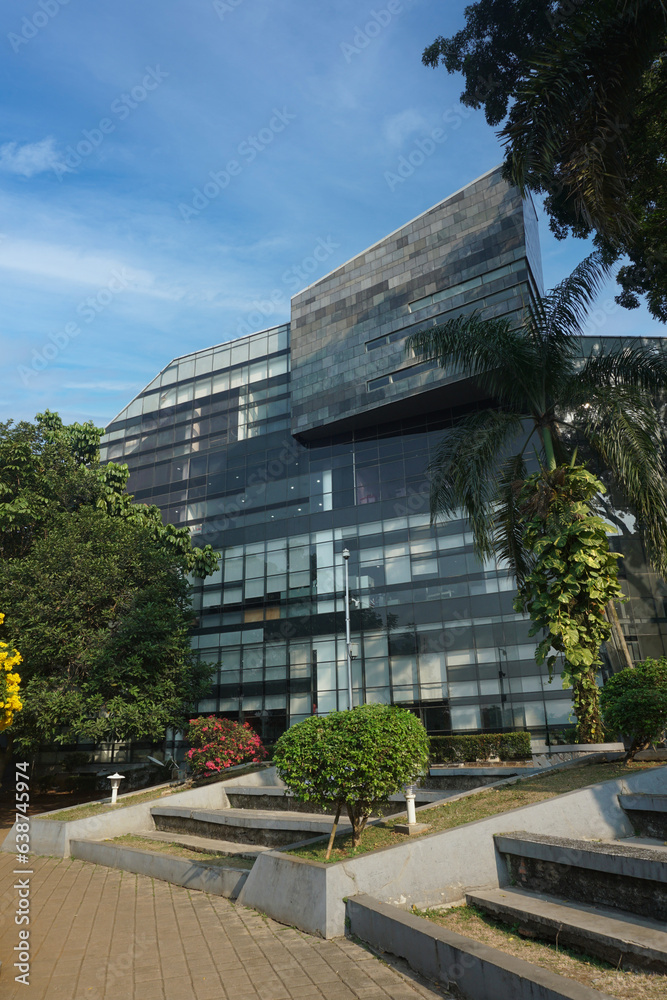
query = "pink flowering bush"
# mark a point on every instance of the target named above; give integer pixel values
(220, 743)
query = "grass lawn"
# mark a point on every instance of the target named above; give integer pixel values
(480, 805)
(593, 972)
(211, 860)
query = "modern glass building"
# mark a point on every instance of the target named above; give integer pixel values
(287, 446)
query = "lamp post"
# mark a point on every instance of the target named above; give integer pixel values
(410, 802)
(115, 780)
(348, 644)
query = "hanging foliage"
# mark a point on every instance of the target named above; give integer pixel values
(573, 575)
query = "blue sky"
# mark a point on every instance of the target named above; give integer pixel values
(117, 113)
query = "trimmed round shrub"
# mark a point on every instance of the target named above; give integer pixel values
(354, 759)
(634, 704)
(217, 744)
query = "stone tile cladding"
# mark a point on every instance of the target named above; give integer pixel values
(473, 232)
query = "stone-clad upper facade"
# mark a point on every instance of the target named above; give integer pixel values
(477, 249)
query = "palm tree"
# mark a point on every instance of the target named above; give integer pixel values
(545, 392)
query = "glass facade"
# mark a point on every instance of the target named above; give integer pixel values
(211, 442)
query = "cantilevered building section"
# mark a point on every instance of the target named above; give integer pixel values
(285, 447)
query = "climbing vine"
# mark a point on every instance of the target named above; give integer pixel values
(573, 576)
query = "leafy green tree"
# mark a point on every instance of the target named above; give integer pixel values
(581, 90)
(634, 704)
(543, 391)
(353, 759)
(104, 617)
(96, 589)
(47, 468)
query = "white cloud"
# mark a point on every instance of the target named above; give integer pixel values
(32, 158)
(73, 265)
(398, 128)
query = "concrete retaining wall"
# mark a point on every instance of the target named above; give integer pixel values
(437, 868)
(52, 836)
(545, 755)
(179, 871)
(477, 971)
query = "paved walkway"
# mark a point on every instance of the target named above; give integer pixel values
(101, 934)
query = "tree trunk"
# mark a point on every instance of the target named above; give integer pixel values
(358, 822)
(547, 441)
(6, 754)
(333, 832)
(619, 637)
(586, 703)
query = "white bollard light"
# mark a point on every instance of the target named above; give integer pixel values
(115, 780)
(410, 799)
(412, 827)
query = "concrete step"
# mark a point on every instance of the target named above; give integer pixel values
(652, 843)
(270, 797)
(647, 813)
(207, 845)
(617, 875)
(246, 826)
(626, 941)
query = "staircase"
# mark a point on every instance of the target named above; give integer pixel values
(267, 828)
(249, 819)
(605, 898)
(265, 816)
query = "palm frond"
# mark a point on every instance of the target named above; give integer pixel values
(566, 306)
(464, 471)
(623, 428)
(640, 367)
(500, 357)
(508, 543)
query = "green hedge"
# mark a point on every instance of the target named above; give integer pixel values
(463, 749)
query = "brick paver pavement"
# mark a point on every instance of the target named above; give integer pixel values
(101, 934)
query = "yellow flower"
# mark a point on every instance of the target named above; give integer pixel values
(10, 703)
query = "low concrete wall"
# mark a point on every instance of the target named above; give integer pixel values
(219, 881)
(52, 836)
(544, 755)
(262, 778)
(648, 814)
(436, 868)
(476, 970)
